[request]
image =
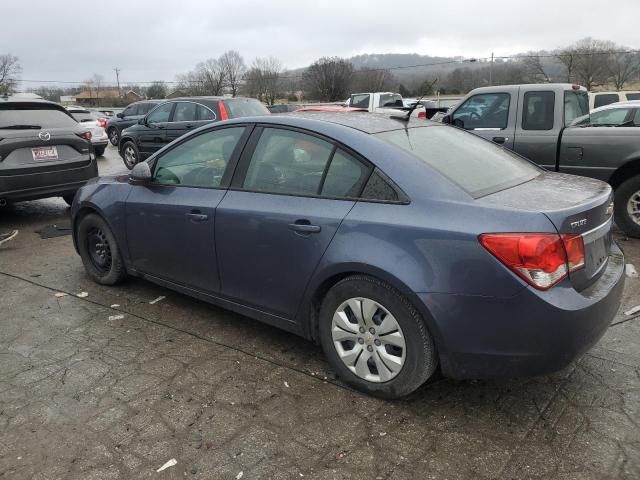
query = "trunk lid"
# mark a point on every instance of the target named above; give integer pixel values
(576, 206)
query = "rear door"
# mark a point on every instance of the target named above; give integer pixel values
(490, 115)
(171, 221)
(538, 125)
(280, 215)
(154, 134)
(184, 119)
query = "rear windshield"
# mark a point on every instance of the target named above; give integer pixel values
(245, 107)
(33, 116)
(390, 100)
(576, 104)
(476, 165)
(85, 116)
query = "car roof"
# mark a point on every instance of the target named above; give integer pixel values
(330, 108)
(16, 99)
(624, 104)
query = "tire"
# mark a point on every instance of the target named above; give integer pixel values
(130, 154)
(107, 269)
(627, 198)
(99, 151)
(114, 136)
(69, 198)
(413, 364)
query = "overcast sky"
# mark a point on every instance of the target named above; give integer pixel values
(156, 39)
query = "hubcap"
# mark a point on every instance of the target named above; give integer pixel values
(130, 155)
(99, 250)
(368, 339)
(633, 207)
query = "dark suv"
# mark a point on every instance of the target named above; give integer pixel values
(174, 118)
(44, 152)
(128, 117)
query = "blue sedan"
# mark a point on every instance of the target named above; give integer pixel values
(402, 247)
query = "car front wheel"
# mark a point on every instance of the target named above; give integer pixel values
(627, 207)
(375, 339)
(130, 154)
(114, 136)
(99, 250)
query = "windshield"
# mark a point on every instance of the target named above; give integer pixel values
(576, 104)
(245, 108)
(476, 165)
(390, 100)
(23, 115)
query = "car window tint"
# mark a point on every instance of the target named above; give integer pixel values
(390, 100)
(185, 112)
(345, 176)
(603, 99)
(37, 116)
(538, 110)
(144, 108)
(633, 96)
(130, 111)
(378, 189)
(245, 107)
(636, 118)
(613, 116)
(204, 113)
(576, 104)
(160, 114)
(287, 162)
(487, 110)
(359, 101)
(200, 161)
(476, 165)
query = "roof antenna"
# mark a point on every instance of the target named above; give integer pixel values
(406, 117)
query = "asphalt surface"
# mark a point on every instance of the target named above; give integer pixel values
(113, 386)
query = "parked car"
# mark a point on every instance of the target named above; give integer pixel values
(174, 118)
(621, 114)
(383, 102)
(430, 106)
(94, 123)
(283, 108)
(534, 120)
(129, 116)
(600, 99)
(389, 242)
(44, 152)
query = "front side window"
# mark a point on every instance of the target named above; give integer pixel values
(200, 161)
(478, 166)
(576, 104)
(144, 108)
(613, 116)
(288, 162)
(486, 110)
(603, 99)
(390, 100)
(359, 101)
(130, 111)
(185, 112)
(538, 110)
(160, 114)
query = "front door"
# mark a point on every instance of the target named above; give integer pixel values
(171, 221)
(274, 226)
(154, 133)
(488, 115)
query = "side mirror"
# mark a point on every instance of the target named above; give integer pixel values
(458, 123)
(446, 119)
(120, 115)
(141, 174)
(142, 121)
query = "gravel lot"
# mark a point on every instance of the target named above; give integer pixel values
(111, 386)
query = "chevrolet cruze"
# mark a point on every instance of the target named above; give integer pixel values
(401, 247)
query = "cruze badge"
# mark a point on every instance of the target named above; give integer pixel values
(578, 223)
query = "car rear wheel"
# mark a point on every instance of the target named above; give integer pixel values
(99, 251)
(130, 154)
(627, 207)
(99, 151)
(114, 136)
(375, 339)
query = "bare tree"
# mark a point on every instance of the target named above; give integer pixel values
(622, 67)
(213, 76)
(157, 90)
(234, 68)
(567, 58)
(534, 67)
(329, 78)
(587, 61)
(378, 80)
(263, 79)
(10, 71)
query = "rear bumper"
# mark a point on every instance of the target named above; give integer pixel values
(31, 186)
(531, 333)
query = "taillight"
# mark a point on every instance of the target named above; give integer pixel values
(223, 110)
(422, 114)
(541, 259)
(86, 135)
(102, 122)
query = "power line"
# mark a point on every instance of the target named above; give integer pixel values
(492, 58)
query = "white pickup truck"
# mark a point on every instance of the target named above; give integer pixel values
(383, 102)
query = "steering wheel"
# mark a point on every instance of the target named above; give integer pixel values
(474, 116)
(166, 176)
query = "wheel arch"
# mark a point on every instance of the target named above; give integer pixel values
(628, 170)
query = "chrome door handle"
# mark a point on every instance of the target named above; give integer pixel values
(197, 216)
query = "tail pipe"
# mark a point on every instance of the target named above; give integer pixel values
(3, 202)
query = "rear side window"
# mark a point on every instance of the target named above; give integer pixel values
(245, 107)
(476, 165)
(205, 114)
(359, 101)
(184, 112)
(538, 110)
(633, 96)
(390, 100)
(34, 116)
(345, 177)
(377, 188)
(603, 99)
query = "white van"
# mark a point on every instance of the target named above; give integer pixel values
(600, 99)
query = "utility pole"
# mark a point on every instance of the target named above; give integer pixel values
(491, 71)
(117, 70)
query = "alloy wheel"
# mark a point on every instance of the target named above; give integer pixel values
(114, 137)
(633, 207)
(130, 156)
(368, 340)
